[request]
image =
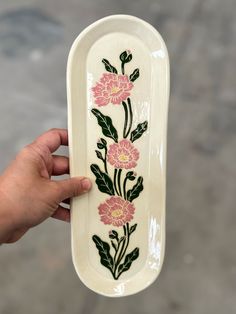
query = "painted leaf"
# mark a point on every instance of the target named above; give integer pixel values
(134, 75)
(136, 190)
(113, 234)
(99, 154)
(132, 229)
(105, 123)
(130, 175)
(103, 180)
(104, 142)
(108, 66)
(100, 145)
(104, 252)
(138, 132)
(125, 57)
(128, 260)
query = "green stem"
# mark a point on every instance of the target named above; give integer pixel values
(131, 116)
(123, 68)
(115, 185)
(119, 183)
(125, 244)
(126, 118)
(105, 160)
(122, 248)
(124, 187)
(117, 250)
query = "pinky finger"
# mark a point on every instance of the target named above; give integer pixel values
(62, 213)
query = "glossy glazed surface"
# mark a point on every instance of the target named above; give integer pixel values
(108, 259)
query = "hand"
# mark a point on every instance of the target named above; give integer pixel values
(28, 195)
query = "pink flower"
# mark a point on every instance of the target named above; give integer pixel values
(123, 155)
(112, 88)
(116, 211)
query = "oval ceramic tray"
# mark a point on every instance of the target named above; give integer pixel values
(118, 89)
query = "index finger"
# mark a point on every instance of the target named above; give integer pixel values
(53, 139)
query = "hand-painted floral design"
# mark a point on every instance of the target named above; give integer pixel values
(119, 157)
(116, 211)
(112, 88)
(123, 155)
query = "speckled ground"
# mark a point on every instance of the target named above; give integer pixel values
(199, 273)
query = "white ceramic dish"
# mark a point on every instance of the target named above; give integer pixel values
(118, 90)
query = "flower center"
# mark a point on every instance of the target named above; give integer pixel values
(117, 213)
(123, 157)
(114, 89)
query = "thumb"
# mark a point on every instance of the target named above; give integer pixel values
(72, 187)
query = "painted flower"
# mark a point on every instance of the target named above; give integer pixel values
(123, 155)
(116, 211)
(112, 88)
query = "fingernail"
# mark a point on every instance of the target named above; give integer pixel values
(86, 184)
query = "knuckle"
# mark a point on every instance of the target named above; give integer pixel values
(77, 187)
(53, 131)
(36, 149)
(25, 152)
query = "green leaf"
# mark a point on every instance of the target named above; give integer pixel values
(99, 154)
(132, 229)
(138, 132)
(128, 260)
(103, 181)
(113, 234)
(125, 57)
(134, 75)
(104, 252)
(136, 190)
(108, 66)
(130, 175)
(129, 58)
(100, 145)
(104, 142)
(105, 123)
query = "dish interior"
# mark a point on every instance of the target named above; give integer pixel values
(91, 94)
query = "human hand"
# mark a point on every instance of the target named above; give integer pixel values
(28, 195)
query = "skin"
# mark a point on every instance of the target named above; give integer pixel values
(28, 195)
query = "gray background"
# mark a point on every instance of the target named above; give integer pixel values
(199, 273)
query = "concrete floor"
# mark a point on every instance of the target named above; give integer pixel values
(199, 273)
